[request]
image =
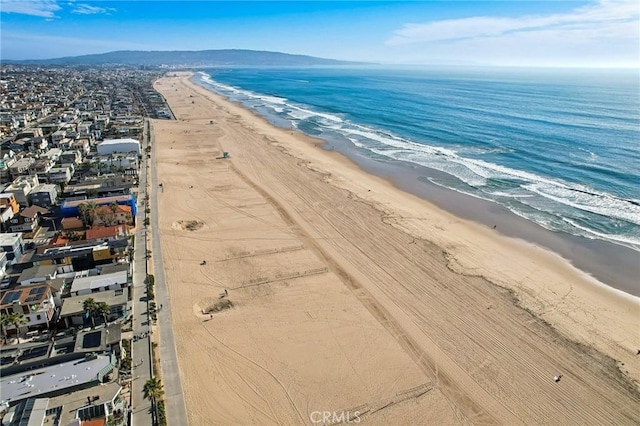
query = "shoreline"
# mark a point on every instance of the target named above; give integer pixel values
(347, 291)
(612, 265)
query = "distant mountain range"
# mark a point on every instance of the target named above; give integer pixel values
(226, 57)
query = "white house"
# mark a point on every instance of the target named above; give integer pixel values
(37, 274)
(111, 146)
(21, 187)
(98, 283)
(53, 154)
(61, 174)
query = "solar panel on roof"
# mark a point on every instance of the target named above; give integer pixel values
(32, 299)
(11, 297)
(5, 298)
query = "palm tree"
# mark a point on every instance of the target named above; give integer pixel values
(4, 322)
(82, 209)
(88, 212)
(114, 210)
(15, 319)
(89, 306)
(102, 308)
(153, 389)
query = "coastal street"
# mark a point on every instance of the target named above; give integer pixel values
(173, 397)
(141, 360)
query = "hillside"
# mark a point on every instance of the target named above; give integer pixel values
(226, 57)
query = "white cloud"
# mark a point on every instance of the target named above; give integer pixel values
(43, 8)
(85, 9)
(603, 14)
(603, 32)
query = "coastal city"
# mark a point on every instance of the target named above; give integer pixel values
(216, 214)
(77, 305)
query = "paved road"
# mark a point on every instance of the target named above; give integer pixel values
(174, 398)
(141, 359)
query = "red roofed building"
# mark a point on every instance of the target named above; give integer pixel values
(106, 232)
(113, 214)
(72, 224)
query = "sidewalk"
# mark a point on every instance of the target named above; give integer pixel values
(140, 349)
(173, 396)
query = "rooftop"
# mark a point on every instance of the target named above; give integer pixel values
(44, 187)
(31, 211)
(97, 281)
(51, 379)
(72, 402)
(26, 295)
(9, 239)
(118, 141)
(41, 271)
(73, 305)
(98, 339)
(103, 200)
(105, 231)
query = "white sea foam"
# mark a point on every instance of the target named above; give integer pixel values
(630, 242)
(509, 195)
(599, 203)
(272, 99)
(309, 113)
(548, 197)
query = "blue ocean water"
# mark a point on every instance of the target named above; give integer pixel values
(558, 147)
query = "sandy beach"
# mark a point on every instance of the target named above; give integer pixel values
(328, 294)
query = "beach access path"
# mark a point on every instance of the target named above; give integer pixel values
(140, 348)
(173, 393)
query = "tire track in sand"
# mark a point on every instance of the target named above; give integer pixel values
(471, 409)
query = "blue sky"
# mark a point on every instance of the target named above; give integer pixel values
(602, 33)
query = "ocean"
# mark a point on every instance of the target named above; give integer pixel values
(560, 148)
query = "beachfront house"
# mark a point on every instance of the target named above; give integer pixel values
(96, 283)
(73, 314)
(35, 302)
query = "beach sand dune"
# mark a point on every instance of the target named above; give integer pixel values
(352, 298)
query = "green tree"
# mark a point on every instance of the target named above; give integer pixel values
(90, 307)
(87, 212)
(103, 309)
(16, 319)
(153, 389)
(4, 322)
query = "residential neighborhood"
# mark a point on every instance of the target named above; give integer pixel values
(73, 255)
